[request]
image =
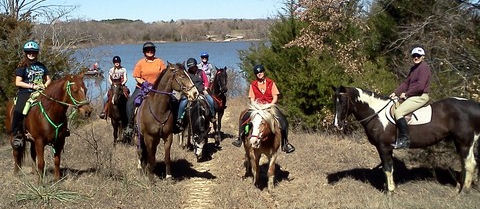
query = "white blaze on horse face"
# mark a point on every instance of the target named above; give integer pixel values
(255, 137)
(335, 123)
(376, 104)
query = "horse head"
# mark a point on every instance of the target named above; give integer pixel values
(182, 81)
(342, 102)
(220, 81)
(263, 123)
(76, 94)
(117, 93)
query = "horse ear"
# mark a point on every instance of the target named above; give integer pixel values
(343, 89)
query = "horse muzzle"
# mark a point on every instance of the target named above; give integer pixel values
(255, 142)
(85, 111)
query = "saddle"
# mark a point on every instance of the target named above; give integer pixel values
(420, 116)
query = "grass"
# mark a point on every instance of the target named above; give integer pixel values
(45, 193)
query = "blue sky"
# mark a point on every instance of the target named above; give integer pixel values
(151, 10)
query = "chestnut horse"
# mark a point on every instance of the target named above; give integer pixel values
(452, 118)
(155, 116)
(264, 137)
(218, 93)
(117, 110)
(46, 122)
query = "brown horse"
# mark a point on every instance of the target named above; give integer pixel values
(218, 93)
(452, 118)
(46, 123)
(155, 116)
(264, 137)
(117, 110)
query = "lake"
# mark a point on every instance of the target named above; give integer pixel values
(221, 54)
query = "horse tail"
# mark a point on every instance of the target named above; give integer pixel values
(19, 155)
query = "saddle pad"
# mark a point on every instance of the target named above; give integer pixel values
(418, 117)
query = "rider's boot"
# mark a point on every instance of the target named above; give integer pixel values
(179, 124)
(403, 140)
(238, 141)
(18, 140)
(286, 146)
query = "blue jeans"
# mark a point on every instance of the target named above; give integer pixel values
(181, 107)
(210, 102)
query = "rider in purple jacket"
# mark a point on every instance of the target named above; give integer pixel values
(415, 91)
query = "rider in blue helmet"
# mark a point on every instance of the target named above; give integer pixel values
(30, 76)
(207, 67)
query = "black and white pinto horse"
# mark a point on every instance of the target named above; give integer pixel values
(452, 118)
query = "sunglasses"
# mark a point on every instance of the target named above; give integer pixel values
(416, 56)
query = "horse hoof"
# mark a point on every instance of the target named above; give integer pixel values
(168, 177)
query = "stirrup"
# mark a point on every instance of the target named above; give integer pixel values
(237, 142)
(288, 148)
(401, 144)
(18, 142)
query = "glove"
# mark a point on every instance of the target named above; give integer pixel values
(146, 85)
(38, 87)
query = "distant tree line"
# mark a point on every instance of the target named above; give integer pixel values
(319, 43)
(116, 31)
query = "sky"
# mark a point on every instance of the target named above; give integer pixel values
(166, 10)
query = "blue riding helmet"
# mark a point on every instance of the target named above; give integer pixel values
(204, 55)
(31, 46)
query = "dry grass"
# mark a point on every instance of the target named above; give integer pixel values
(326, 171)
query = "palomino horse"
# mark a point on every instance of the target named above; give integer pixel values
(218, 92)
(46, 123)
(264, 137)
(155, 116)
(117, 110)
(452, 118)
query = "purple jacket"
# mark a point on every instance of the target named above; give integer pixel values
(417, 82)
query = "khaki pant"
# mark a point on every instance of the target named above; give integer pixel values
(410, 105)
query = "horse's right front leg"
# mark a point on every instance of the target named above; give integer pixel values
(33, 154)
(254, 161)
(39, 148)
(387, 161)
(271, 171)
(115, 134)
(167, 145)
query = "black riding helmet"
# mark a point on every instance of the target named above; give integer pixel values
(148, 45)
(258, 69)
(116, 59)
(191, 62)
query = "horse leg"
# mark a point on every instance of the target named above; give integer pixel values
(151, 149)
(271, 171)
(387, 161)
(39, 148)
(57, 157)
(468, 163)
(18, 158)
(167, 145)
(216, 134)
(33, 154)
(254, 161)
(247, 162)
(115, 133)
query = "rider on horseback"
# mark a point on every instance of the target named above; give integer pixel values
(415, 92)
(207, 67)
(200, 81)
(146, 71)
(263, 90)
(31, 75)
(117, 75)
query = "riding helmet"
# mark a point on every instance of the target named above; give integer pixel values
(148, 45)
(204, 55)
(116, 59)
(418, 50)
(258, 69)
(191, 62)
(31, 46)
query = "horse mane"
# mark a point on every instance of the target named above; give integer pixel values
(267, 111)
(54, 89)
(159, 78)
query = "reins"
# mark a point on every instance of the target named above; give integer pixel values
(375, 114)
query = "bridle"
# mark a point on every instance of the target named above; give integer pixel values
(75, 103)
